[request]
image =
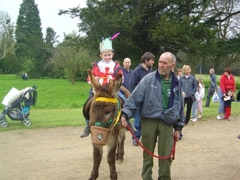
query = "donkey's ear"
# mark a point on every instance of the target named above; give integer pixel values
(116, 84)
(94, 82)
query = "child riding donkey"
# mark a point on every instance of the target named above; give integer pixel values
(105, 71)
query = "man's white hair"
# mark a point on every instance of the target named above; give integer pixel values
(172, 55)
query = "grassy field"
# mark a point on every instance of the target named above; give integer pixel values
(206, 80)
(60, 103)
(52, 93)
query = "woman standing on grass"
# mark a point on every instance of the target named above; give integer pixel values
(227, 82)
(189, 88)
(212, 88)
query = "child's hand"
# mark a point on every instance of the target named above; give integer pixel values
(109, 77)
(234, 95)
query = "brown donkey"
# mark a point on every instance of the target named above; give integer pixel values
(104, 112)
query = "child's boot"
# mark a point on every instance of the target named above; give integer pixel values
(86, 131)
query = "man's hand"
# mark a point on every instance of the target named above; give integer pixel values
(183, 94)
(124, 122)
(177, 135)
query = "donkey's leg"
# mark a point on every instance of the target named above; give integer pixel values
(111, 160)
(97, 157)
(120, 147)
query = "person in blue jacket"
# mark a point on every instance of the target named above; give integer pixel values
(189, 88)
(212, 87)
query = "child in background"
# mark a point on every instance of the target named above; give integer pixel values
(197, 105)
(179, 73)
(228, 98)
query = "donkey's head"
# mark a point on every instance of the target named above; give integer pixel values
(104, 105)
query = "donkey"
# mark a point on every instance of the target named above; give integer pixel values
(101, 112)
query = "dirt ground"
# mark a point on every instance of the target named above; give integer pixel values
(209, 150)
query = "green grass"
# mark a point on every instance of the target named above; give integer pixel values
(52, 93)
(206, 80)
(60, 103)
(211, 112)
(49, 118)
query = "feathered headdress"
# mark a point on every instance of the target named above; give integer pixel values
(106, 44)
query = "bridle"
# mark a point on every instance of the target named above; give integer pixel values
(112, 100)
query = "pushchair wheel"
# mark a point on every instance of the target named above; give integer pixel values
(3, 123)
(27, 122)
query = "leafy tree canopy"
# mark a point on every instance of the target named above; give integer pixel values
(29, 38)
(152, 25)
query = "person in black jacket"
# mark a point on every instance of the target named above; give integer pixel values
(227, 103)
(238, 96)
(147, 61)
(127, 72)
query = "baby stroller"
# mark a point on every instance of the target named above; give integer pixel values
(14, 108)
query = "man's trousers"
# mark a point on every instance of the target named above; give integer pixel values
(155, 130)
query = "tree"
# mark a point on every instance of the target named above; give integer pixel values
(50, 42)
(6, 33)
(228, 13)
(225, 48)
(152, 25)
(8, 62)
(29, 37)
(71, 59)
(51, 37)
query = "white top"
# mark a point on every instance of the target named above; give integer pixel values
(200, 92)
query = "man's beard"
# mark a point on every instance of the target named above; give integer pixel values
(149, 66)
(167, 72)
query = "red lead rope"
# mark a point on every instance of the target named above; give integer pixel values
(172, 152)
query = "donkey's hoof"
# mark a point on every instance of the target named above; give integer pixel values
(92, 178)
(120, 161)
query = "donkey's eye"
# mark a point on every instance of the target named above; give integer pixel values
(107, 113)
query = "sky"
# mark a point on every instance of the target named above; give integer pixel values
(48, 12)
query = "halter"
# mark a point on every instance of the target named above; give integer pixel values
(112, 100)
